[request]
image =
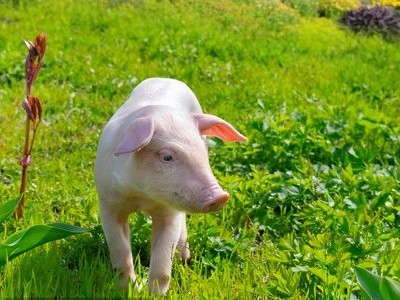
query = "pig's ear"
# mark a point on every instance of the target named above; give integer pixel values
(214, 126)
(137, 135)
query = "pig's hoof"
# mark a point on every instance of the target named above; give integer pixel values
(159, 285)
(125, 279)
(129, 283)
(183, 253)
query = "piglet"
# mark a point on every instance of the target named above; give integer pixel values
(152, 157)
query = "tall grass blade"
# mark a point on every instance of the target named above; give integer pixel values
(25, 240)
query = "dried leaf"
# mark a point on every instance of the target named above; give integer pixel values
(39, 108)
(29, 44)
(27, 107)
(33, 108)
(30, 69)
(34, 59)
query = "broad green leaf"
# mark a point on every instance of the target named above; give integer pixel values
(389, 289)
(369, 282)
(323, 275)
(25, 240)
(8, 208)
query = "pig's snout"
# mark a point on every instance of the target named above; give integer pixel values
(216, 202)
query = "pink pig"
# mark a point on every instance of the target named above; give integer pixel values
(152, 157)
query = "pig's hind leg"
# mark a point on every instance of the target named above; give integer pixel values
(116, 229)
(165, 235)
(183, 244)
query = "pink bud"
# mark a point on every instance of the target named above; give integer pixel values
(25, 161)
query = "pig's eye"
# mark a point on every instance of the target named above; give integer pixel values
(166, 157)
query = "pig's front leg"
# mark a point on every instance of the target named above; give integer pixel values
(116, 229)
(165, 235)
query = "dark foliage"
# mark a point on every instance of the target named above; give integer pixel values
(377, 19)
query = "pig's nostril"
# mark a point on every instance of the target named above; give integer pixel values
(216, 203)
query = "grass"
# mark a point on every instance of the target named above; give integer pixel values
(315, 191)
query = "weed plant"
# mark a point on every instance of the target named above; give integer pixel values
(315, 191)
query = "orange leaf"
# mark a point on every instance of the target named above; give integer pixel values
(40, 43)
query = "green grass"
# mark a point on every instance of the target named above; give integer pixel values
(315, 191)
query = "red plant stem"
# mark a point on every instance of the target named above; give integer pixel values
(25, 163)
(33, 136)
(27, 134)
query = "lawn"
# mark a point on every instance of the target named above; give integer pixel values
(315, 191)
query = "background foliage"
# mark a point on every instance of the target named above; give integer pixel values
(315, 191)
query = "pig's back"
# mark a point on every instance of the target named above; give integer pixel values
(161, 91)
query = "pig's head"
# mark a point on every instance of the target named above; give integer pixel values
(170, 160)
